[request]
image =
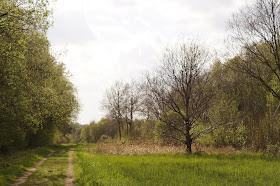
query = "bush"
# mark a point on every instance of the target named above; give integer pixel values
(105, 139)
(273, 149)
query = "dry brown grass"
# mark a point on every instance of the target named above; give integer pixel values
(155, 148)
(136, 149)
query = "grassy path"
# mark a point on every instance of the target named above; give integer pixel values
(38, 166)
(53, 171)
(13, 165)
(70, 171)
(29, 172)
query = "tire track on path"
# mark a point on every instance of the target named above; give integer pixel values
(29, 172)
(70, 173)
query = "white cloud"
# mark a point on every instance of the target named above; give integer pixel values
(119, 39)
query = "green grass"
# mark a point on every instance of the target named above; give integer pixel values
(175, 169)
(16, 163)
(54, 170)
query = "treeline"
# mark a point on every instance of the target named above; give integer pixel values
(37, 100)
(183, 101)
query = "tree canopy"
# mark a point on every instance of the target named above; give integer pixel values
(36, 96)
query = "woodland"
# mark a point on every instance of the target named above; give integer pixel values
(191, 97)
(184, 101)
(37, 100)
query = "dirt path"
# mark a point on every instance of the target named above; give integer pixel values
(23, 178)
(70, 173)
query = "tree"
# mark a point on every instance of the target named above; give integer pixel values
(145, 102)
(132, 104)
(181, 85)
(36, 96)
(114, 103)
(255, 30)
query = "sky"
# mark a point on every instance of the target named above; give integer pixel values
(103, 41)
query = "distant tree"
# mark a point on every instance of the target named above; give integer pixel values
(114, 104)
(86, 133)
(182, 86)
(109, 127)
(146, 102)
(132, 104)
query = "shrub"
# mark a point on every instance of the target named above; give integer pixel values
(105, 138)
(273, 149)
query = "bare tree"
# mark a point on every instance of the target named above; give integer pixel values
(132, 104)
(182, 86)
(114, 103)
(146, 101)
(255, 30)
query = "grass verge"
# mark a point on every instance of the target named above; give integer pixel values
(175, 169)
(15, 164)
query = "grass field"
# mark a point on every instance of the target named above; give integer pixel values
(174, 169)
(124, 165)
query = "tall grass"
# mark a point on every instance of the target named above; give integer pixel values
(175, 169)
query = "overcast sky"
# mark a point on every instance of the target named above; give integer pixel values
(110, 40)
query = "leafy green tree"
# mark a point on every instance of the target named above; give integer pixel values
(85, 134)
(36, 96)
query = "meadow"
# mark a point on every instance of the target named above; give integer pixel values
(95, 168)
(141, 164)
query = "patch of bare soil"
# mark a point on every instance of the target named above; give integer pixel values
(28, 173)
(70, 172)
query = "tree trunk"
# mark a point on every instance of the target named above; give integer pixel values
(120, 133)
(188, 142)
(131, 128)
(131, 123)
(189, 146)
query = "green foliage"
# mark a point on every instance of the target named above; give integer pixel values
(36, 96)
(105, 138)
(231, 135)
(92, 133)
(146, 130)
(166, 133)
(273, 149)
(75, 135)
(245, 105)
